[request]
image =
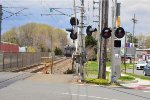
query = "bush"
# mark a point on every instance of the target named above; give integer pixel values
(97, 81)
(58, 51)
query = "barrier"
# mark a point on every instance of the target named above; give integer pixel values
(48, 63)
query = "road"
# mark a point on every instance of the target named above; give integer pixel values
(138, 72)
(62, 87)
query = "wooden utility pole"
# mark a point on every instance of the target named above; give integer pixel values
(133, 44)
(1, 13)
(104, 23)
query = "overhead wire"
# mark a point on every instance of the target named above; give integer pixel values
(58, 18)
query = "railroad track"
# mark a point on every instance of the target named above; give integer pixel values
(40, 67)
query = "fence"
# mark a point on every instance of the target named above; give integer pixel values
(14, 61)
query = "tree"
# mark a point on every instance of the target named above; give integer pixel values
(90, 41)
(141, 39)
(147, 42)
(131, 39)
(38, 36)
(58, 51)
(90, 44)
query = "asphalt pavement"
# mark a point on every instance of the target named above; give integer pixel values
(63, 87)
(137, 72)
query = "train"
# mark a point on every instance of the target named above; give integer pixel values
(9, 47)
(68, 50)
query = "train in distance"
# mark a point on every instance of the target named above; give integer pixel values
(68, 50)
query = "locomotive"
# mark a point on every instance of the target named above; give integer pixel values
(69, 50)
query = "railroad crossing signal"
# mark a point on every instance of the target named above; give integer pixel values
(73, 34)
(106, 33)
(119, 33)
(90, 30)
(74, 21)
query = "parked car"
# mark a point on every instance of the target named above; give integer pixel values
(141, 65)
(146, 69)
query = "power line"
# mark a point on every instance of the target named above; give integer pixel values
(12, 14)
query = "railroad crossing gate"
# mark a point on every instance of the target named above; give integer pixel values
(48, 63)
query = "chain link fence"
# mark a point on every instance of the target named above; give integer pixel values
(14, 61)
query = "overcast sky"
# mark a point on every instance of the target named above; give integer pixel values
(37, 7)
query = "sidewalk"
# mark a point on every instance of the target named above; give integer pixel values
(139, 84)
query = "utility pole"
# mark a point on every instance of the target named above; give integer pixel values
(81, 47)
(106, 8)
(103, 52)
(134, 20)
(99, 43)
(133, 37)
(125, 49)
(1, 13)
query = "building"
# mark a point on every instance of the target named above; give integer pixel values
(9, 47)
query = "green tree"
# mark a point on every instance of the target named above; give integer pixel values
(141, 39)
(90, 41)
(131, 39)
(37, 35)
(58, 51)
(147, 42)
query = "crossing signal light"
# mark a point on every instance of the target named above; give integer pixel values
(90, 30)
(74, 21)
(73, 34)
(106, 33)
(117, 43)
(119, 33)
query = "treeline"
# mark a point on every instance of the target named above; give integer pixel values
(37, 37)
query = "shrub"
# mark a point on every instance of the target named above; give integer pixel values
(97, 81)
(58, 51)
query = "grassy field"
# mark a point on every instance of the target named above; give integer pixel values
(94, 65)
(91, 68)
(138, 76)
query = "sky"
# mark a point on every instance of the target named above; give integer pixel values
(34, 9)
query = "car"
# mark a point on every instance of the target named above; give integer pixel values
(141, 65)
(146, 69)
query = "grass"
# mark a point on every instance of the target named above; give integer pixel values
(126, 78)
(97, 81)
(138, 76)
(128, 66)
(92, 68)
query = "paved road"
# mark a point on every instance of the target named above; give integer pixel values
(61, 87)
(138, 72)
